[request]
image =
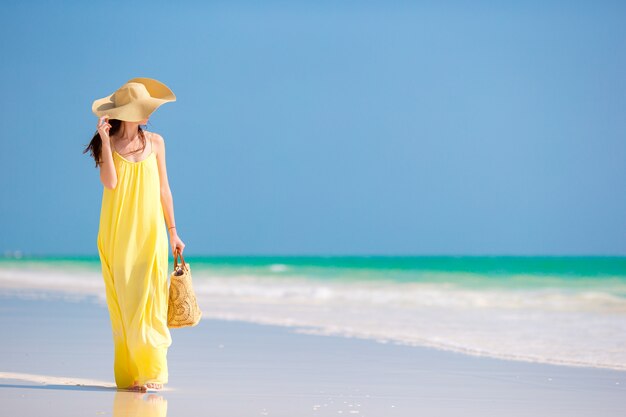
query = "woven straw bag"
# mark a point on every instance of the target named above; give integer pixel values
(182, 307)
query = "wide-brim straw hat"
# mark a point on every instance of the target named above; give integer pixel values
(134, 101)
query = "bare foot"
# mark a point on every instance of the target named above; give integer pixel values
(136, 388)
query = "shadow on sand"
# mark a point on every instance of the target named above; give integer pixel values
(61, 387)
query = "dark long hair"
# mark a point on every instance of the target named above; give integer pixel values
(95, 146)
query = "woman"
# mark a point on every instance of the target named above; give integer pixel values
(132, 237)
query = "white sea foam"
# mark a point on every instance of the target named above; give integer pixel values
(278, 268)
(584, 326)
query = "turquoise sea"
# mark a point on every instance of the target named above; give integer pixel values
(563, 310)
(487, 270)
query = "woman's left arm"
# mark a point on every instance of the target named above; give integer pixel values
(167, 201)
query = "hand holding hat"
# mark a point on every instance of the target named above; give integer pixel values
(103, 128)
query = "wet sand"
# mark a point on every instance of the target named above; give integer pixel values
(56, 359)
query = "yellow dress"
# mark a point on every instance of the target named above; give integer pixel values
(133, 249)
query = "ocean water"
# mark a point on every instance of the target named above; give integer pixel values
(559, 310)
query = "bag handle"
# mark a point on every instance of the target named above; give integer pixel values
(177, 253)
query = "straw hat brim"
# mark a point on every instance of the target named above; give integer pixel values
(133, 112)
(139, 109)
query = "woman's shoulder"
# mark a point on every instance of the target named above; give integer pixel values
(155, 137)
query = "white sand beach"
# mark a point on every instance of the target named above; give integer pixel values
(56, 360)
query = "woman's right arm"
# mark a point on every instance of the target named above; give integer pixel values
(108, 176)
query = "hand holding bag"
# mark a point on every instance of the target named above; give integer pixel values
(182, 307)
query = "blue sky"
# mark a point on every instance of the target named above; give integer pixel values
(329, 128)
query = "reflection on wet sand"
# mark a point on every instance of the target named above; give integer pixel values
(130, 404)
